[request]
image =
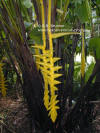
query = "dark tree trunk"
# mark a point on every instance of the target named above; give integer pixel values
(67, 93)
(83, 108)
(32, 83)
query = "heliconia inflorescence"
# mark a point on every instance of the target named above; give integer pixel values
(46, 61)
(2, 81)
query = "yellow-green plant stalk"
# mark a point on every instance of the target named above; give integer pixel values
(43, 59)
(83, 54)
(2, 81)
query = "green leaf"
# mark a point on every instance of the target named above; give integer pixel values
(27, 3)
(98, 12)
(94, 45)
(89, 71)
(83, 11)
(98, 2)
(3, 34)
(77, 2)
(36, 35)
(27, 25)
(88, 7)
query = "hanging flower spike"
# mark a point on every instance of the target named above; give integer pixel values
(83, 54)
(53, 107)
(47, 66)
(2, 81)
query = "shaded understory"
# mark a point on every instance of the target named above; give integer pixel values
(15, 118)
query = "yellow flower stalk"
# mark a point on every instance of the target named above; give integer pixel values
(46, 91)
(2, 81)
(43, 64)
(53, 107)
(83, 54)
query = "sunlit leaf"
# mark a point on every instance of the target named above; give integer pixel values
(94, 45)
(27, 3)
(36, 35)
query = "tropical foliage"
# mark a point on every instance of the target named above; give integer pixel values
(40, 40)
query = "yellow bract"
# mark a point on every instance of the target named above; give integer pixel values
(45, 61)
(57, 35)
(2, 82)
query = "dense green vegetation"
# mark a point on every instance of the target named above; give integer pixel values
(74, 30)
